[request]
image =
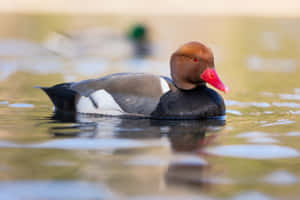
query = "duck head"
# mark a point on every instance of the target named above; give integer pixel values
(193, 65)
(138, 32)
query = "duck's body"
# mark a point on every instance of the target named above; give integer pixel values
(145, 95)
(136, 95)
(116, 94)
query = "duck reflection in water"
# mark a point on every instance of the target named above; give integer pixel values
(187, 138)
(184, 135)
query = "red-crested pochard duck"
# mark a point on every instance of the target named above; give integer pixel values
(185, 96)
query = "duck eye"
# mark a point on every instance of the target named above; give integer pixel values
(195, 60)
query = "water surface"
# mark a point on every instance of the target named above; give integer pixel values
(254, 154)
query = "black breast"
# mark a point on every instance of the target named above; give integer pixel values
(199, 103)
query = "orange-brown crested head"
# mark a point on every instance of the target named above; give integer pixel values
(193, 64)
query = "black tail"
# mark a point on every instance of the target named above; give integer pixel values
(62, 96)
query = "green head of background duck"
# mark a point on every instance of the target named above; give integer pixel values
(139, 35)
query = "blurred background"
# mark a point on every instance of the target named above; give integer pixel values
(256, 46)
(134, 7)
(78, 40)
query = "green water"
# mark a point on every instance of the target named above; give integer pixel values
(255, 155)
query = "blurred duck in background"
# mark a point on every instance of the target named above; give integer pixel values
(101, 42)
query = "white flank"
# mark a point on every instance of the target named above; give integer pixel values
(164, 85)
(105, 102)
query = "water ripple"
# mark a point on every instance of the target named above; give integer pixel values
(279, 122)
(253, 134)
(259, 105)
(294, 133)
(17, 190)
(263, 140)
(254, 151)
(247, 104)
(281, 178)
(252, 195)
(286, 104)
(147, 161)
(86, 144)
(233, 112)
(257, 137)
(21, 105)
(173, 197)
(188, 160)
(297, 112)
(290, 96)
